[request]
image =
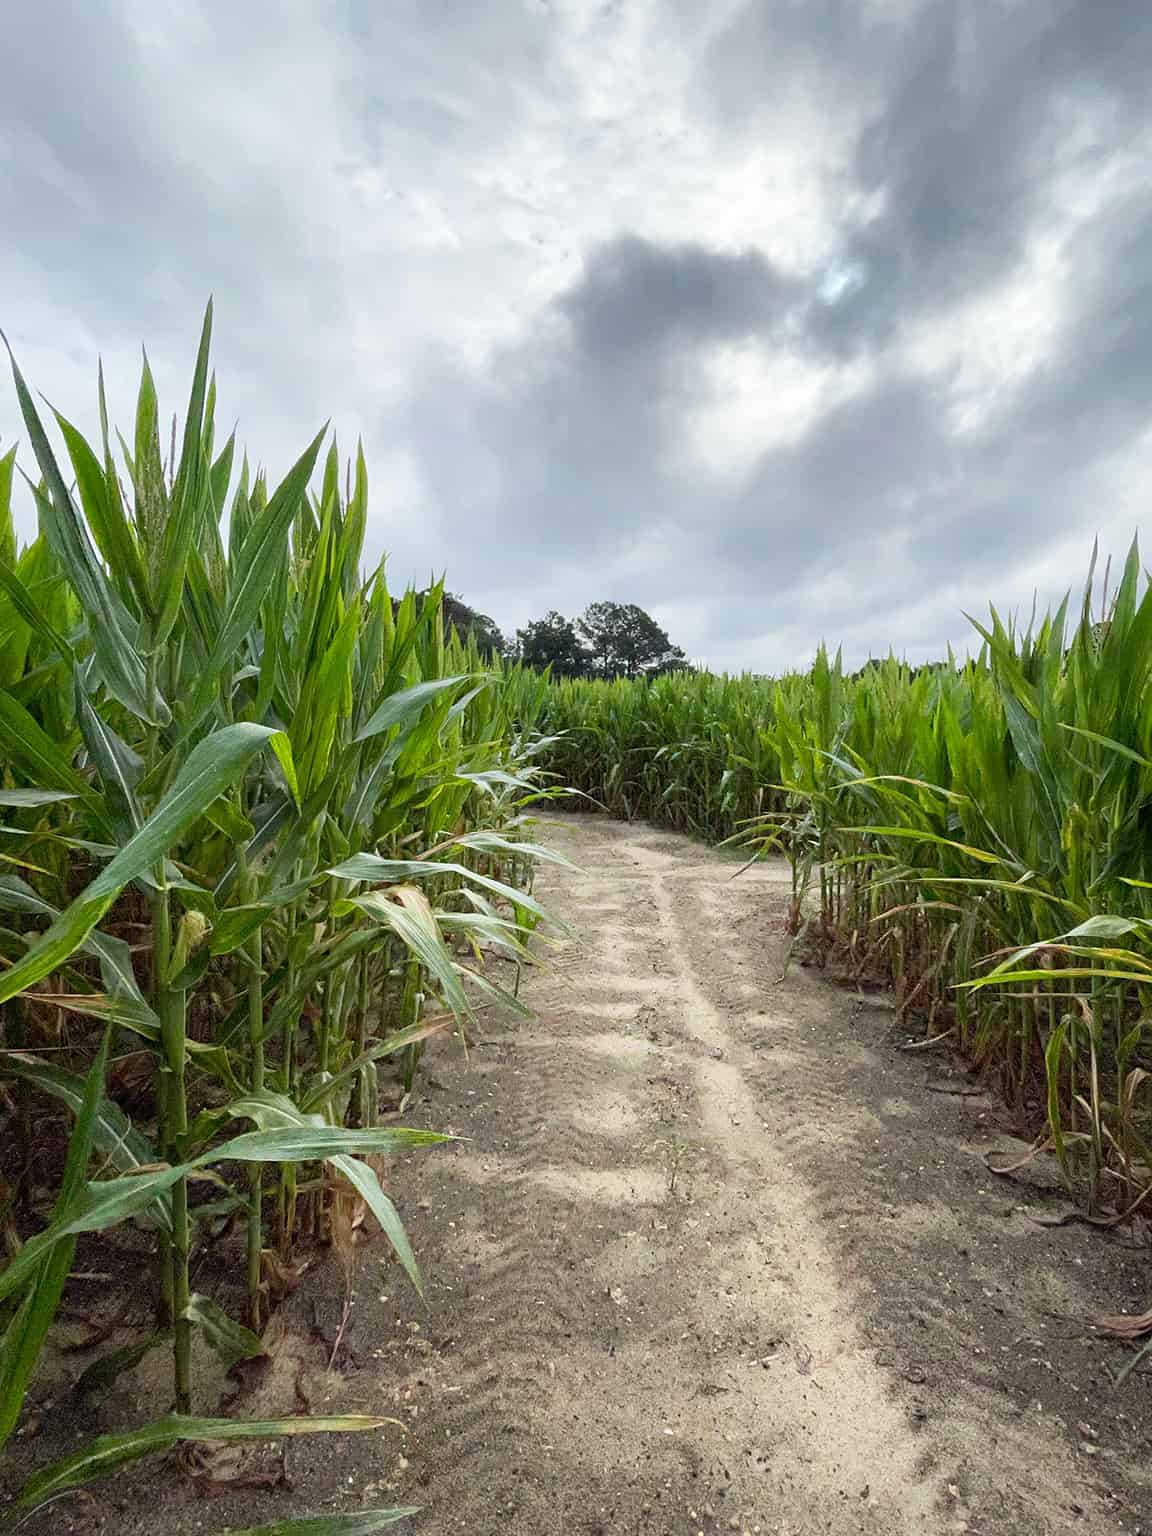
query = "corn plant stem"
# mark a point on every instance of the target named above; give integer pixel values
(327, 1015)
(330, 1016)
(170, 1007)
(365, 1080)
(333, 991)
(17, 1035)
(255, 956)
(1096, 1032)
(289, 1028)
(410, 1014)
(286, 1194)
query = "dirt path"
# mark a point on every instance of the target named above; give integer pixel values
(715, 1257)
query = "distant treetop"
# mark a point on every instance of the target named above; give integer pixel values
(607, 640)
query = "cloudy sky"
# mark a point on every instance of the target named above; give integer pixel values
(787, 319)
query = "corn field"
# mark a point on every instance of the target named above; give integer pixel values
(977, 832)
(264, 835)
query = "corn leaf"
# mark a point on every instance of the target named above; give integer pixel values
(407, 705)
(211, 766)
(364, 1522)
(230, 1339)
(25, 1334)
(112, 1132)
(107, 1452)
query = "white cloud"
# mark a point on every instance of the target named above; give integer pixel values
(984, 348)
(755, 399)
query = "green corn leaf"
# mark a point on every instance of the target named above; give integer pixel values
(363, 1522)
(1008, 887)
(112, 1132)
(230, 1340)
(328, 701)
(369, 867)
(31, 799)
(147, 470)
(181, 526)
(235, 925)
(501, 932)
(189, 500)
(1113, 746)
(364, 1180)
(211, 767)
(111, 625)
(406, 911)
(100, 498)
(192, 452)
(7, 528)
(279, 1116)
(26, 745)
(1058, 973)
(119, 767)
(227, 819)
(496, 992)
(310, 1143)
(107, 1452)
(916, 835)
(114, 955)
(493, 842)
(221, 476)
(400, 1041)
(25, 1334)
(95, 1208)
(462, 703)
(259, 556)
(1103, 926)
(283, 750)
(407, 705)
(900, 778)
(31, 611)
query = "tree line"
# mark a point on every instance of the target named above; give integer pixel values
(607, 640)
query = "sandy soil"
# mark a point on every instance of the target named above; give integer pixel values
(716, 1255)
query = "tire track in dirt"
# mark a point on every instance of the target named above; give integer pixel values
(553, 1183)
(850, 1430)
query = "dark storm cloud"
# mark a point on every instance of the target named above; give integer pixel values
(560, 444)
(984, 104)
(637, 298)
(1105, 374)
(964, 113)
